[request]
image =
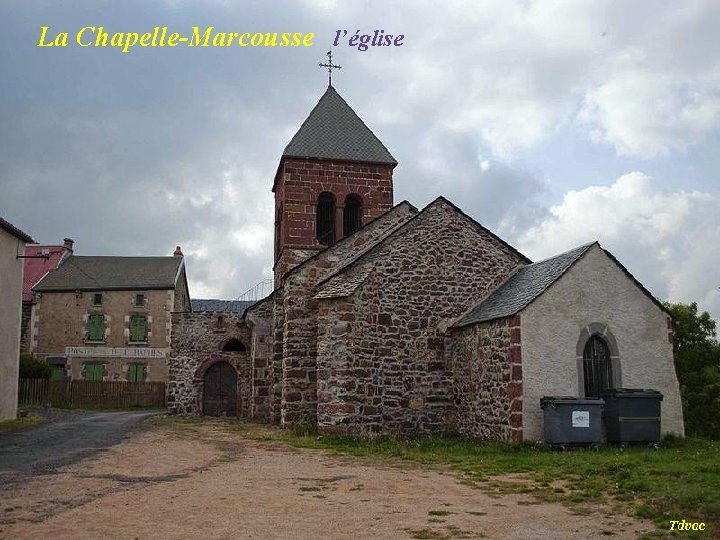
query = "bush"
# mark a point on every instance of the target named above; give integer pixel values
(32, 367)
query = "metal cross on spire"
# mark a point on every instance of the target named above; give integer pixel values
(330, 66)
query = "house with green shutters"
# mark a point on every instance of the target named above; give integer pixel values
(106, 318)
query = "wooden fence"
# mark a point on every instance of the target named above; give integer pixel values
(91, 394)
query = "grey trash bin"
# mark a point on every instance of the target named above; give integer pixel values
(572, 420)
(632, 415)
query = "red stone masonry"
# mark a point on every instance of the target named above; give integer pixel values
(300, 184)
(515, 386)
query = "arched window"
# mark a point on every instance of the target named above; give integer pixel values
(325, 219)
(233, 345)
(352, 214)
(278, 229)
(597, 368)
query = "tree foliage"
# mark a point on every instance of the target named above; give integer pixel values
(697, 362)
(32, 367)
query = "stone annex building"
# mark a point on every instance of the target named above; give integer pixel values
(387, 318)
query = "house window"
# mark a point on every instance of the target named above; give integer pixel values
(597, 371)
(138, 329)
(352, 214)
(93, 372)
(139, 300)
(58, 367)
(325, 219)
(136, 372)
(96, 327)
(97, 299)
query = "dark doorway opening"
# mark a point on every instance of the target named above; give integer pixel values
(220, 390)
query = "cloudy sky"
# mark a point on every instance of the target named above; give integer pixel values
(552, 123)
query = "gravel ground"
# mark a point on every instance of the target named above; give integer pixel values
(168, 481)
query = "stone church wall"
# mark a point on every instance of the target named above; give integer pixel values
(296, 349)
(197, 340)
(486, 363)
(393, 343)
(596, 293)
(260, 320)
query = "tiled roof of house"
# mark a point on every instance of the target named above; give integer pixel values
(220, 306)
(105, 273)
(522, 287)
(41, 260)
(17, 233)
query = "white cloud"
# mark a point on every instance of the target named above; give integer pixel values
(644, 113)
(669, 240)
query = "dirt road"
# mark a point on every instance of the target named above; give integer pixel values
(210, 482)
(66, 437)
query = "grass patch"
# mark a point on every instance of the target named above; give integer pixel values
(681, 480)
(6, 426)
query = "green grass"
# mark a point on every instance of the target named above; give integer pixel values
(680, 480)
(7, 426)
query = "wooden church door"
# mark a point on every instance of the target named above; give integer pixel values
(220, 390)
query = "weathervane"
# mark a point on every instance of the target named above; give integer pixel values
(330, 66)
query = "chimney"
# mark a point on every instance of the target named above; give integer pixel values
(178, 252)
(68, 244)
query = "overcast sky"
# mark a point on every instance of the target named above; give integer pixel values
(552, 123)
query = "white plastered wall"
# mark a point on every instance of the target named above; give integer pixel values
(10, 307)
(595, 290)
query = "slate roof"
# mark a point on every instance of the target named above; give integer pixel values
(522, 287)
(95, 273)
(339, 288)
(220, 306)
(334, 131)
(17, 233)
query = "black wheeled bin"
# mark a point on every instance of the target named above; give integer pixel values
(572, 420)
(632, 415)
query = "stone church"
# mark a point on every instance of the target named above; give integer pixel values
(387, 318)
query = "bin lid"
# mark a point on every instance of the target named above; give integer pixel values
(569, 400)
(633, 393)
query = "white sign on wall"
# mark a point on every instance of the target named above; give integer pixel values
(122, 352)
(581, 419)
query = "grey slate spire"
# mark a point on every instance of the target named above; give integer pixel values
(334, 131)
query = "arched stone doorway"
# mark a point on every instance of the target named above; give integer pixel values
(220, 396)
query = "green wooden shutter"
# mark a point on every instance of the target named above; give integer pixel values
(93, 372)
(96, 328)
(138, 329)
(136, 373)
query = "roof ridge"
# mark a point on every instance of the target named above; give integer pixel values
(439, 199)
(586, 245)
(533, 288)
(344, 239)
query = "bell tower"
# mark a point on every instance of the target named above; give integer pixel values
(333, 177)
